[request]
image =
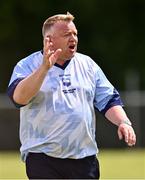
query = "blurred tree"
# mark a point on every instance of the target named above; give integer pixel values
(111, 32)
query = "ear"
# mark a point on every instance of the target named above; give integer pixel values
(45, 39)
(50, 38)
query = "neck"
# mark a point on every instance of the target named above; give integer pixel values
(60, 62)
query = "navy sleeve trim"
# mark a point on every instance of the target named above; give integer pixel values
(114, 101)
(10, 91)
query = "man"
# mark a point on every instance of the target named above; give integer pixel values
(57, 90)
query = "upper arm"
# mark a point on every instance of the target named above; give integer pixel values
(106, 95)
(21, 70)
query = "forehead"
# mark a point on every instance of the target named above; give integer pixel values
(63, 26)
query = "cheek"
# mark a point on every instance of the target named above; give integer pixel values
(62, 45)
(59, 42)
(56, 45)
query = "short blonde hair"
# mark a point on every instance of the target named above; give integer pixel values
(49, 22)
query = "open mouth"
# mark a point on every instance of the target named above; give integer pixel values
(72, 47)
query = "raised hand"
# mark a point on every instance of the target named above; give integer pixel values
(50, 56)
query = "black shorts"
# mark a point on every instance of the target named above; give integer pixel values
(41, 166)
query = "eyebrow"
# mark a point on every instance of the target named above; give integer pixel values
(68, 31)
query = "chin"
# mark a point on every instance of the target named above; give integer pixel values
(68, 55)
(72, 55)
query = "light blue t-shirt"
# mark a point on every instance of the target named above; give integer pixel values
(60, 120)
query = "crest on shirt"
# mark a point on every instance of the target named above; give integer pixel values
(66, 81)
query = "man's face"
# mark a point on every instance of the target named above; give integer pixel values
(64, 36)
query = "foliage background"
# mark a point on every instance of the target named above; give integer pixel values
(111, 32)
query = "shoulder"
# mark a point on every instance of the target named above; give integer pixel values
(82, 56)
(87, 61)
(32, 59)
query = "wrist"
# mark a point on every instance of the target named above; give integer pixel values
(126, 122)
(44, 68)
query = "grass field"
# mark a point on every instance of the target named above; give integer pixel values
(115, 164)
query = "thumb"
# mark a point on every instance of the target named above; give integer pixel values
(120, 134)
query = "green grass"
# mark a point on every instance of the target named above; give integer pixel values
(114, 164)
(122, 164)
(11, 166)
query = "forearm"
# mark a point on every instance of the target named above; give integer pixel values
(117, 115)
(29, 86)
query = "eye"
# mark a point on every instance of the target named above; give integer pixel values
(75, 34)
(66, 34)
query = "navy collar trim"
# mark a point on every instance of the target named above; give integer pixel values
(62, 66)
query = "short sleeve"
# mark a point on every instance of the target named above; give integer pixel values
(20, 71)
(106, 95)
